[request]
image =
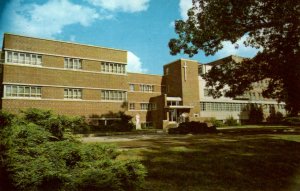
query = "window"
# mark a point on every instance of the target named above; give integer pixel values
(131, 87)
(146, 88)
(73, 94)
(23, 58)
(153, 106)
(22, 91)
(144, 106)
(73, 63)
(113, 95)
(131, 106)
(116, 68)
(148, 106)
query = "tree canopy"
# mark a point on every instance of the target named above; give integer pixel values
(270, 25)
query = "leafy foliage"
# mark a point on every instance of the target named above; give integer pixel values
(256, 114)
(122, 122)
(274, 117)
(230, 121)
(292, 121)
(215, 122)
(271, 25)
(34, 160)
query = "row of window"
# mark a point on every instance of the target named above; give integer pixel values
(73, 93)
(216, 106)
(113, 95)
(143, 88)
(143, 106)
(23, 58)
(22, 91)
(73, 63)
(69, 93)
(109, 67)
(69, 63)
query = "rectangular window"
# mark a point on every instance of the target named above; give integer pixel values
(22, 91)
(116, 68)
(23, 58)
(144, 106)
(131, 106)
(72, 93)
(153, 106)
(72, 63)
(113, 95)
(146, 88)
(131, 87)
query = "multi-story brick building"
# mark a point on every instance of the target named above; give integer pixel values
(84, 80)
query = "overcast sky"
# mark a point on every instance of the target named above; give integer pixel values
(142, 27)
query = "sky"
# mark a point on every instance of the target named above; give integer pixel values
(142, 27)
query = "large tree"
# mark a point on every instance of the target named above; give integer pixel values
(270, 25)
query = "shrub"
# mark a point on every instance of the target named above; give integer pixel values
(292, 121)
(6, 119)
(192, 127)
(215, 122)
(34, 161)
(274, 117)
(256, 114)
(230, 121)
(121, 124)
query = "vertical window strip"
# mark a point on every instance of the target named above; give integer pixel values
(23, 58)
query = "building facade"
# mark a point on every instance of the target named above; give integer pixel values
(84, 80)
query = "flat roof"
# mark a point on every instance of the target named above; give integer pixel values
(68, 42)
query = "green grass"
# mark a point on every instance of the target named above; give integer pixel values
(218, 162)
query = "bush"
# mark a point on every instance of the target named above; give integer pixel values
(294, 121)
(256, 115)
(123, 124)
(56, 124)
(192, 127)
(215, 122)
(274, 117)
(230, 121)
(34, 161)
(6, 119)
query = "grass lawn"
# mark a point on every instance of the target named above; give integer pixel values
(264, 162)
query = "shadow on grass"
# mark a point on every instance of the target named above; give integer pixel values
(221, 163)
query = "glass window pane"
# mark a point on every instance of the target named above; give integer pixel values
(66, 63)
(9, 56)
(15, 57)
(27, 58)
(33, 59)
(8, 90)
(27, 91)
(39, 60)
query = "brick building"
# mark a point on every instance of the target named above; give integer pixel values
(84, 80)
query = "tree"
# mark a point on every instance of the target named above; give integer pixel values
(271, 25)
